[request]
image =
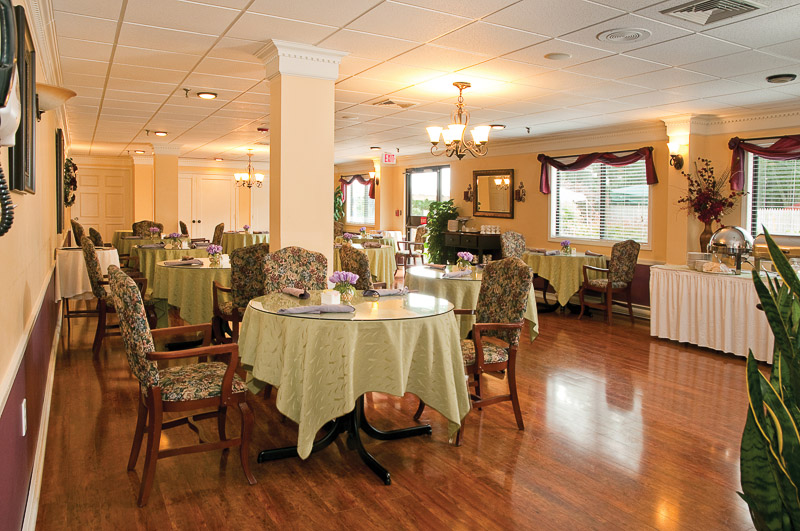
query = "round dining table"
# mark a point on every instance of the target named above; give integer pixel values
(563, 272)
(322, 364)
(381, 262)
(72, 277)
(237, 240)
(150, 256)
(462, 292)
(383, 240)
(117, 236)
(189, 287)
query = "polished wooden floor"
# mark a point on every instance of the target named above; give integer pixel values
(622, 431)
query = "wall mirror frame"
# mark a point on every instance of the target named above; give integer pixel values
(493, 193)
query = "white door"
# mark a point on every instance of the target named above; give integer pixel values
(100, 199)
(259, 206)
(204, 201)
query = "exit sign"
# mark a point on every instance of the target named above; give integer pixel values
(389, 158)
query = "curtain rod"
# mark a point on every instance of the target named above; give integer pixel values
(778, 137)
(612, 152)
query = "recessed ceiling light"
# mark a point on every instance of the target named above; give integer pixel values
(497, 127)
(139, 151)
(557, 56)
(160, 133)
(781, 78)
(218, 159)
(207, 95)
(375, 148)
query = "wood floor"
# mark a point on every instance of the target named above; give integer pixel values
(622, 431)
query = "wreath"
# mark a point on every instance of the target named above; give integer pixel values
(70, 182)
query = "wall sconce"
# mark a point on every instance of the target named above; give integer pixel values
(468, 194)
(675, 158)
(372, 175)
(520, 193)
(49, 97)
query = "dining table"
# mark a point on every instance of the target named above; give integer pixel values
(563, 272)
(150, 256)
(323, 363)
(237, 240)
(381, 262)
(383, 240)
(117, 236)
(463, 292)
(72, 276)
(189, 287)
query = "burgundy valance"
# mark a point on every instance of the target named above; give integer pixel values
(786, 148)
(344, 182)
(584, 161)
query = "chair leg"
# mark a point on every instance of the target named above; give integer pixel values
(583, 304)
(101, 327)
(477, 378)
(153, 443)
(609, 307)
(419, 410)
(141, 422)
(244, 446)
(222, 415)
(512, 390)
(630, 307)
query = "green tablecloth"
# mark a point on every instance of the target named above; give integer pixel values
(189, 288)
(118, 234)
(237, 240)
(381, 263)
(148, 258)
(564, 272)
(383, 241)
(127, 244)
(463, 293)
(322, 363)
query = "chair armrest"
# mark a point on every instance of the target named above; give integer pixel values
(227, 353)
(476, 336)
(463, 312)
(588, 268)
(161, 333)
(141, 283)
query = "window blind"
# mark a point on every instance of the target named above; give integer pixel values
(774, 200)
(601, 202)
(360, 209)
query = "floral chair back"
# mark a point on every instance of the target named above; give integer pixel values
(295, 267)
(623, 261)
(184, 228)
(504, 296)
(218, 230)
(356, 261)
(338, 229)
(512, 244)
(133, 325)
(77, 232)
(93, 268)
(95, 236)
(247, 273)
(422, 232)
(142, 228)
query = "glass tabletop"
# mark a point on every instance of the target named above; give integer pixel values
(409, 306)
(429, 272)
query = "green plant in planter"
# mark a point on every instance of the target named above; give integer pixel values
(338, 205)
(770, 452)
(439, 213)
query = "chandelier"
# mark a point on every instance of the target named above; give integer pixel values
(453, 136)
(502, 183)
(249, 179)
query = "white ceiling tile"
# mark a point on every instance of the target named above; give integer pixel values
(81, 66)
(754, 97)
(234, 4)
(755, 32)
(144, 108)
(759, 79)
(536, 54)
(136, 85)
(562, 99)
(519, 108)
(615, 66)
(670, 77)
(406, 22)
(237, 50)
(351, 65)
(80, 49)
(402, 74)
(252, 97)
(608, 90)
(552, 18)
(654, 12)
(603, 107)
(439, 58)
(154, 58)
(629, 5)
(717, 87)
(738, 64)
(374, 86)
(504, 70)
(689, 49)
(82, 80)
(481, 37)
(366, 44)
(140, 36)
(109, 9)
(464, 8)
(320, 11)
(180, 15)
(255, 27)
(134, 96)
(656, 97)
(159, 75)
(660, 33)
(226, 67)
(209, 82)
(789, 49)
(79, 26)
(558, 80)
(352, 97)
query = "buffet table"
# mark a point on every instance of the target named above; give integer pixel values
(717, 311)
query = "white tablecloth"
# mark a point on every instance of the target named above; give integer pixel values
(73, 280)
(709, 310)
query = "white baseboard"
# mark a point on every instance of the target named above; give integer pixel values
(639, 311)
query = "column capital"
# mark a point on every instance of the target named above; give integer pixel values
(688, 125)
(143, 160)
(296, 59)
(166, 149)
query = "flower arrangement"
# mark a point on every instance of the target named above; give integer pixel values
(347, 236)
(154, 232)
(176, 239)
(706, 196)
(214, 253)
(246, 228)
(362, 230)
(566, 247)
(344, 282)
(465, 258)
(70, 182)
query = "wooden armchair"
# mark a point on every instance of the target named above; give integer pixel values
(179, 387)
(412, 251)
(621, 268)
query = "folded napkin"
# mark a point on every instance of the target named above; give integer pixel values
(457, 274)
(152, 246)
(384, 292)
(193, 262)
(323, 308)
(440, 267)
(552, 253)
(200, 245)
(131, 237)
(260, 232)
(536, 250)
(371, 245)
(587, 252)
(296, 292)
(337, 245)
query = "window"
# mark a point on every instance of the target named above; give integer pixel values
(774, 198)
(424, 186)
(601, 202)
(359, 208)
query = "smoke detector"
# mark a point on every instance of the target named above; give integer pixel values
(394, 104)
(624, 35)
(704, 12)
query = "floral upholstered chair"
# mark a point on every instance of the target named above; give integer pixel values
(295, 267)
(96, 238)
(338, 229)
(619, 278)
(495, 335)
(184, 228)
(512, 244)
(77, 232)
(218, 230)
(247, 282)
(177, 387)
(412, 251)
(142, 228)
(356, 261)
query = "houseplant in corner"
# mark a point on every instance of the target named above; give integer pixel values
(770, 452)
(439, 214)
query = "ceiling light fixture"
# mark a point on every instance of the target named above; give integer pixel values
(250, 178)
(207, 95)
(497, 127)
(557, 56)
(375, 148)
(160, 133)
(218, 159)
(781, 78)
(453, 136)
(139, 151)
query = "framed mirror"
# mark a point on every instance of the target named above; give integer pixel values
(493, 193)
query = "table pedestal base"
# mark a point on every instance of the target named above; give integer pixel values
(546, 307)
(352, 423)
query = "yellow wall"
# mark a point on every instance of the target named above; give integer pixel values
(143, 192)
(165, 178)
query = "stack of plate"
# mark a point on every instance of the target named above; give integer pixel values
(692, 258)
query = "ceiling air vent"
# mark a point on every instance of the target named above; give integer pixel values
(706, 12)
(394, 104)
(624, 35)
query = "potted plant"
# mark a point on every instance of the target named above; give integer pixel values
(439, 213)
(338, 205)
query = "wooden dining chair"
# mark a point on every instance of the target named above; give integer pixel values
(512, 244)
(357, 261)
(218, 230)
(177, 388)
(412, 251)
(619, 278)
(499, 313)
(247, 282)
(96, 238)
(295, 267)
(184, 228)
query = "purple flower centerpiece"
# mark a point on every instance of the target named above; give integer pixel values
(465, 259)
(176, 239)
(348, 237)
(363, 231)
(214, 253)
(246, 228)
(154, 232)
(566, 247)
(344, 282)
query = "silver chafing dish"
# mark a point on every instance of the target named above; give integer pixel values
(790, 245)
(731, 244)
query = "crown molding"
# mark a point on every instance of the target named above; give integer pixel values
(303, 60)
(166, 149)
(241, 165)
(142, 160)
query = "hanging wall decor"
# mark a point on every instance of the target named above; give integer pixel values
(70, 182)
(21, 157)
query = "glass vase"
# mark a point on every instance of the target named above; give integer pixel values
(215, 259)
(566, 251)
(347, 293)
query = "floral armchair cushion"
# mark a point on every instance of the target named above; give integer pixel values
(622, 265)
(338, 229)
(295, 267)
(184, 228)
(93, 269)
(247, 273)
(504, 296)
(142, 228)
(513, 244)
(77, 232)
(218, 230)
(356, 261)
(97, 240)
(133, 325)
